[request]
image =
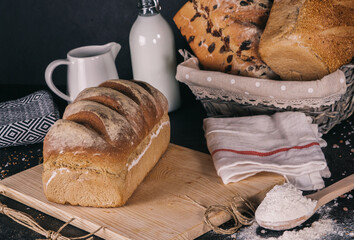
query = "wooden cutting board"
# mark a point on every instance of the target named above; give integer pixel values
(161, 207)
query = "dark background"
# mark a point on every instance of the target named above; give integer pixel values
(35, 32)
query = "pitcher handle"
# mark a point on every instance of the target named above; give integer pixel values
(48, 78)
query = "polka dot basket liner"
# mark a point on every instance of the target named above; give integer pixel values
(327, 101)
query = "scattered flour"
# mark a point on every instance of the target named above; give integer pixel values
(284, 203)
(317, 230)
(323, 228)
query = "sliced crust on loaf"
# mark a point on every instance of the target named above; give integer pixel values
(139, 95)
(159, 97)
(119, 103)
(111, 125)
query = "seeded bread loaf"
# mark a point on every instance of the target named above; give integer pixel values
(110, 137)
(224, 35)
(308, 39)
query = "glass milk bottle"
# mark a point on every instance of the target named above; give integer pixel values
(152, 50)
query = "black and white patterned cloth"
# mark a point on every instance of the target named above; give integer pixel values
(27, 120)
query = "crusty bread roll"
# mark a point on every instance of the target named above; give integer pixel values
(224, 35)
(308, 39)
(110, 137)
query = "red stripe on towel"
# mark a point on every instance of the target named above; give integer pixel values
(265, 154)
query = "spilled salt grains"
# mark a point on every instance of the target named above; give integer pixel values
(284, 203)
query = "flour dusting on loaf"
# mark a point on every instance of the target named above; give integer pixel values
(111, 125)
(110, 137)
(120, 103)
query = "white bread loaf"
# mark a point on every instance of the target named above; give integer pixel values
(308, 39)
(110, 137)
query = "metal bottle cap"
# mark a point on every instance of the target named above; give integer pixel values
(148, 7)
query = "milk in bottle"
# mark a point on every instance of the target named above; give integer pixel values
(152, 51)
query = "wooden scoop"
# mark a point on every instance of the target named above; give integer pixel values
(322, 197)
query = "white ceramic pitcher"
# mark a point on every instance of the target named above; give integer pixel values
(87, 67)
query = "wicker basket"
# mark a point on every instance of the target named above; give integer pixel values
(326, 116)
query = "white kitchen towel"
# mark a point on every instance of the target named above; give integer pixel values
(286, 143)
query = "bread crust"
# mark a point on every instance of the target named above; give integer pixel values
(224, 35)
(105, 144)
(308, 39)
(86, 185)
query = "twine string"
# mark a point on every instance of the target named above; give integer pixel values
(185, 54)
(27, 221)
(217, 229)
(243, 214)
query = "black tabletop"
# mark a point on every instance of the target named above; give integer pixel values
(186, 130)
